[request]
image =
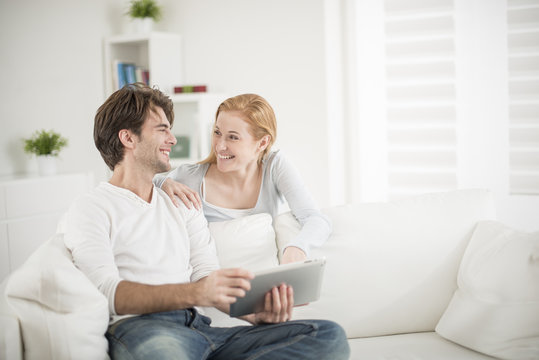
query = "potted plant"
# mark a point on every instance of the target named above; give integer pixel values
(144, 13)
(46, 145)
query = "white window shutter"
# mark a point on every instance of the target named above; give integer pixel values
(420, 96)
(459, 101)
(523, 63)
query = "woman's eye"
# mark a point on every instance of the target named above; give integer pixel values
(233, 137)
(216, 132)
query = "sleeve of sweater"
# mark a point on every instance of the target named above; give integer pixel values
(187, 174)
(87, 237)
(315, 226)
(203, 253)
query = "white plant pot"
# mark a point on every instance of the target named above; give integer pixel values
(143, 25)
(46, 165)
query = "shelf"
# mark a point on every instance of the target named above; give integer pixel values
(135, 38)
(196, 97)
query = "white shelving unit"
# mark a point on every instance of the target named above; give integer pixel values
(158, 52)
(161, 54)
(194, 115)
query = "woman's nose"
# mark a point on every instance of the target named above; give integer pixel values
(221, 144)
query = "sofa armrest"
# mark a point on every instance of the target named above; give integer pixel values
(11, 345)
(10, 337)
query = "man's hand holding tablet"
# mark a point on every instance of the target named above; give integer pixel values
(275, 291)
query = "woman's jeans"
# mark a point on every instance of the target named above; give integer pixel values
(186, 334)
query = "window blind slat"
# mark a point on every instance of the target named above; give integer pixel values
(420, 95)
(523, 86)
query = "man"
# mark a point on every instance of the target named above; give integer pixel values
(155, 262)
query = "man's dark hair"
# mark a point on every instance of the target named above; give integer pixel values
(126, 108)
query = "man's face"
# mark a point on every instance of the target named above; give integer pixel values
(155, 141)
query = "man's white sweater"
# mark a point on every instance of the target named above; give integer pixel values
(115, 235)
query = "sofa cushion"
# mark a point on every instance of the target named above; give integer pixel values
(414, 346)
(495, 309)
(61, 313)
(392, 267)
(247, 242)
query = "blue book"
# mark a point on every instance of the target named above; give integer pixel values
(120, 72)
(130, 73)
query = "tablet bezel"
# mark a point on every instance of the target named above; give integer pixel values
(305, 278)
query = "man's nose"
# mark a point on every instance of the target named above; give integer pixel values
(172, 139)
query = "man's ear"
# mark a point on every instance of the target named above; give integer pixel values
(127, 138)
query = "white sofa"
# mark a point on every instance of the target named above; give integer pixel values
(429, 277)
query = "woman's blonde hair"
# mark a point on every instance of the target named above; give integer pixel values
(257, 112)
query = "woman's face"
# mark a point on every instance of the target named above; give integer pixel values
(235, 148)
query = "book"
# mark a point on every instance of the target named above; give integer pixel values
(138, 74)
(130, 74)
(124, 73)
(190, 89)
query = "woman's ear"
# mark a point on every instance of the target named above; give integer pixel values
(264, 142)
(126, 138)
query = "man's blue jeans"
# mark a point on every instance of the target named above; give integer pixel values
(186, 334)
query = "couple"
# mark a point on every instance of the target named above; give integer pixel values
(155, 260)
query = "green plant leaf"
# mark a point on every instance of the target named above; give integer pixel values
(45, 142)
(145, 8)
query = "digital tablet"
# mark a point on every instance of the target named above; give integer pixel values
(305, 278)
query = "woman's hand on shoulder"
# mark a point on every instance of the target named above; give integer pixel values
(188, 196)
(293, 254)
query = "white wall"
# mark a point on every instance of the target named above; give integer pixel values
(52, 69)
(52, 78)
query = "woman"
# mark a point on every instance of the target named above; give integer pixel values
(242, 176)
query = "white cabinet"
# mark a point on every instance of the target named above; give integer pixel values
(30, 210)
(194, 115)
(160, 53)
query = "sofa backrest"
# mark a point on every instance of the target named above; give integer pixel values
(392, 267)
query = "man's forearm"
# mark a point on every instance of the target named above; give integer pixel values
(136, 298)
